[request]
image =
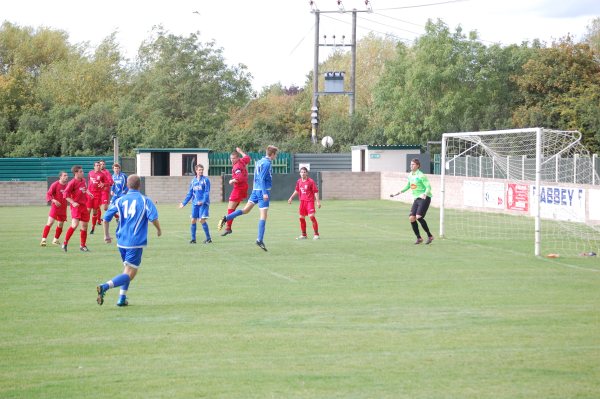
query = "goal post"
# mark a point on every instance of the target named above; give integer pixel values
(534, 185)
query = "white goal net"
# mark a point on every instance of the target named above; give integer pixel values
(535, 187)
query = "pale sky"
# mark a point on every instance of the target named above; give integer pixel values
(275, 38)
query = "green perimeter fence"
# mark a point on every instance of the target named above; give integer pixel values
(39, 169)
(221, 165)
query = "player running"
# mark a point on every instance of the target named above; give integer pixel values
(76, 194)
(135, 211)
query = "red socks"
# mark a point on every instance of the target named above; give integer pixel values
(70, 232)
(303, 226)
(229, 222)
(315, 224)
(46, 231)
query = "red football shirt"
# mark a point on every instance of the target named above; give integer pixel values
(76, 190)
(307, 189)
(56, 191)
(97, 181)
(240, 173)
(108, 180)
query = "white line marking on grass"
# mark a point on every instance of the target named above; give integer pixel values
(551, 261)
(272, 273)
(237, 262)
(554, 262)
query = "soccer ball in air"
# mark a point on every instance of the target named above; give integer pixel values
(327, 141)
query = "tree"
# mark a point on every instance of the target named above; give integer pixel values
(24, 52)
(182, 91)
(592, 36)
(560, 86)
(446, 82)
(84, 80)
(278, 115)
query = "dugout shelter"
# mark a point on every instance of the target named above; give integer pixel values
(387, 158)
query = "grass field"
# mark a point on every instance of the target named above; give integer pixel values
(361, 313)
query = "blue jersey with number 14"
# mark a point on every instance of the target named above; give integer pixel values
(135, 211)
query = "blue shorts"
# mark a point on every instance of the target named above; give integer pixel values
(131, 256)
(200, 211)
(257, 198)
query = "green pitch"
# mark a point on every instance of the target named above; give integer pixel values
(361, 313)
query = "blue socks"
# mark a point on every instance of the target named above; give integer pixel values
(206, 232)
(123, 292)
(121, 279)
(193, 230)
(234, 214)
(117, 281)
(261, 229)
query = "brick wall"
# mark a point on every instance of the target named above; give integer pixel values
(173, 189)
(392, 182)
(350, 185)
(167, 189)
(16, 193)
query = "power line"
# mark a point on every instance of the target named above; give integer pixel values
(398, 19)
(371, 30)
(424, 5)
(411, 23)
(483, 41)
(301, 40)
(390, 26)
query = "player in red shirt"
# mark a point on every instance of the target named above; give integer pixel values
(309, 195)
(106, 193)
(239, 180)
(96, 185)
(76, 194)
(58, 208)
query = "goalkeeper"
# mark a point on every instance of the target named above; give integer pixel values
(421, 190)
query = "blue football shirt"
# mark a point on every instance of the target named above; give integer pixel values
(135, 211)
(263, 175)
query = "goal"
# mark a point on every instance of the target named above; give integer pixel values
(521, 186)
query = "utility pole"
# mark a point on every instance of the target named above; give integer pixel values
(315, 99)
(352, 94)
(316, 93)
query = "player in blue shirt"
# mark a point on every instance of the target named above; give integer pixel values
(117, 190)
(119, 187)
(199, 193)
(135, 211)
(261, 194)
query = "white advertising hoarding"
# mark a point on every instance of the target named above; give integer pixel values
(559, 203)
(594, 208)
(473, 193)
(494, 195)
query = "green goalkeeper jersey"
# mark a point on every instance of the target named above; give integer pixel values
(418, 183)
